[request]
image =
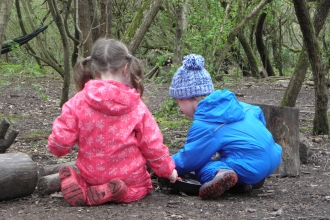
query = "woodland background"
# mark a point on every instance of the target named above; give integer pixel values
(266, 51)
(287, 38)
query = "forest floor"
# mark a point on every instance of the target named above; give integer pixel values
(31, 103)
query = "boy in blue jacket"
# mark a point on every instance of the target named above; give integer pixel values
(236, 130)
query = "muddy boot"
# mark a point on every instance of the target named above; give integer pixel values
(72, 186)
(111, 191)
(223, 181)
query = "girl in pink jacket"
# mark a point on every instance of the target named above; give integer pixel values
(116, 133)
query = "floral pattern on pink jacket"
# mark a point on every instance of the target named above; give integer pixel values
(116, 134)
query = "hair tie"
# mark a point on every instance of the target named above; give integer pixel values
(128, 56)
(88, 58)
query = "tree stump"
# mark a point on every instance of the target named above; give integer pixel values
(5, 143)
(283, 123)
(18, 176)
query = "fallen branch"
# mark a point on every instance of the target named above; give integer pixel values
(49, 181)
(51, 169)
(49, 184)
(152, 72)
(6, 143)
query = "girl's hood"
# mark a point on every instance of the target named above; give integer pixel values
(110, 97)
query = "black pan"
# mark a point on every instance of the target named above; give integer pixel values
(188, 184)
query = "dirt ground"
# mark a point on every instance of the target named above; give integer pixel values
(306, 196)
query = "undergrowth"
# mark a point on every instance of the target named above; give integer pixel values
(173, 123)
(15, 72)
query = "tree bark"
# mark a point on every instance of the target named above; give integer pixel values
(181, 12)
(49, 184)
(106, 18)
(141, 23)
(95, 26)
(298, 76)
(5, 9)
(44, 55)
(232, 35)
(276, 37)
(240, 61)
(253, 64)
(21, 24)
(264, 54)
(66, 55)
(18, 174)
(283, 123)
(320, 122)
(84, 25)
(49, 180)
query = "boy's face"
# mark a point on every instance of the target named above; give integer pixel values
(188, 106)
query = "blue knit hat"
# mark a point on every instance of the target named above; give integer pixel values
(191, 79)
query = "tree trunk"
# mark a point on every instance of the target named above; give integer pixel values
(291, 93)
(44, 54)
(181, 12)
(18, 174)
(5, 9)
(327, 52)
(106, 18)
(141, 23)
(66, 56)
(95, 28)
(235, 31)
(320, 122)
(75, 51)
(249, 55)
(84, 25)
(21, 24)
(262, 48)
(240, 61)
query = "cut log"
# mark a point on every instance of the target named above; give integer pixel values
(49, 184)
(283, 123)
(5, 143)
(51, 169)
(18, 176)
(49, 181)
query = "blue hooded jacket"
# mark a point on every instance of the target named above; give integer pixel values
(237, 131)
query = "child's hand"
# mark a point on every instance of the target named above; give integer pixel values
(174, 176)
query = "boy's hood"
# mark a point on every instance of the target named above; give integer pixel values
(110, 97)
(220, 106)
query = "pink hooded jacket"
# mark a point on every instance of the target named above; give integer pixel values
(116, 134)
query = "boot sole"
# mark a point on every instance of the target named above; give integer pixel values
(218, 186)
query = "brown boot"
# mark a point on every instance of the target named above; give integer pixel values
(224, 180)
(112, 191)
